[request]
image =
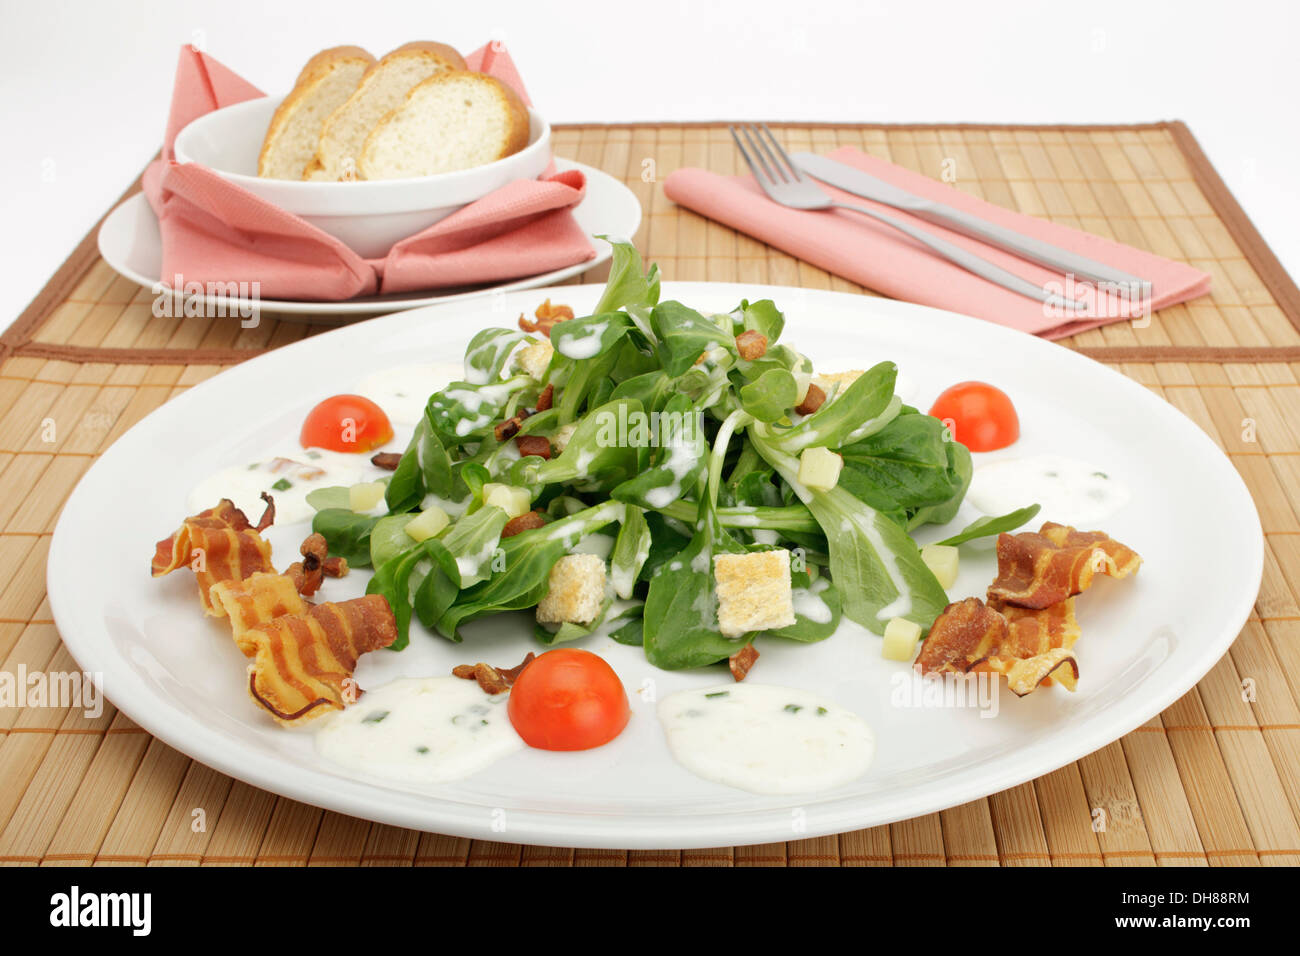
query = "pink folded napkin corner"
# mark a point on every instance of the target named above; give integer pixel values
(214, 231)
(882, 259)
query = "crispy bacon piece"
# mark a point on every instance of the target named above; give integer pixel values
(534, 445)
(268, 513)
(1037, 569)
(315, 565)
(524, 522)
(811, 401)
(1028, 647)
(493, 680)
(751, 345)
(508, 429)
(741, 661)
(547, 315)
(545, 400)
(218, 544)
(303, 663)
(387, 460)
(256, 600)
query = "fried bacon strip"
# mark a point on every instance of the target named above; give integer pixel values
(256, 600)
(303, 663)
(1037, 569)
(547, 315)
(1027, 646)
(218, 544)
(493, 680)
(741, 661)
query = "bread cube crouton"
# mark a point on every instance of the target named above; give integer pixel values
(534, 358)
(838, 381)
(575, 590)
(754, 591)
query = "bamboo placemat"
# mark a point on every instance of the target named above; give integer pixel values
(1214, 780)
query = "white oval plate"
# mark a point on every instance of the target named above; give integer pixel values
(1145, 642)
(130, 243)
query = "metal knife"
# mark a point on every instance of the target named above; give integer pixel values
(853, 180)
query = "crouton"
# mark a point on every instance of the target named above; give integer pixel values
(575, 590)
(534, 358)
(838, 381)
(754, 591)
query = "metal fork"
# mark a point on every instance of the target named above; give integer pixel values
(785, 184)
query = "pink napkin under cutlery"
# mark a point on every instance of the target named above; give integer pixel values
(215, 231)
(882, 259)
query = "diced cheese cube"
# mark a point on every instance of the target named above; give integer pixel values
(901, 636)
(535, 357)
(942, 559)
(512, 500)
(561, 437)
(819, 468)
(366, 495)
(575, 590)
(754, 591)
(427, 523)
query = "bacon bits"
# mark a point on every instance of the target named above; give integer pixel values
(545, 399)
(741, 661)
(547, 316)
(493, 680)
(508, 429)
(534, 445)
(387, 460)
(751, 345)
(315, 565)
(811, 401)
(524, 522)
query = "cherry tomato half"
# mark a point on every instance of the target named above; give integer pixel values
(979, 415)
(347, 423)
(568, 699)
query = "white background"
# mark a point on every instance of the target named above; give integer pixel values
(84, 86)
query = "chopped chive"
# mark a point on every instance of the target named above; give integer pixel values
(282, 485)
(374, 717)
(822, 711)
(793, 708)
(718, 693)
(312, 453)
(421, 749)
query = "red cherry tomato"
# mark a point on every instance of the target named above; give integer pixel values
(568, 699)
(348, 423)
(979, 416)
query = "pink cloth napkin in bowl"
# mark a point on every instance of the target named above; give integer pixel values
(215, 231)
(884, 260)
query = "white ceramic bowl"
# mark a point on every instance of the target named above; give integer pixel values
(367, 216)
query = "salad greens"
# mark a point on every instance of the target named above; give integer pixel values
(671, 447)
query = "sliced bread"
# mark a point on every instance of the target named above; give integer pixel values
(324, 83)
(453, 120)
(382, 88)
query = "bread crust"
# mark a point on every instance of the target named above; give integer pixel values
(441, 53)
(516, 111)
(313, 72)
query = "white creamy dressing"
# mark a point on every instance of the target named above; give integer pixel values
(809, 605)
(766, 739)
(420, 731)
(297, 471)
(403, 392)
(586, 345)
(1071, 492)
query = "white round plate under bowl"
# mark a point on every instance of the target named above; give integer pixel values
(1146, 640)
(130, 243)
